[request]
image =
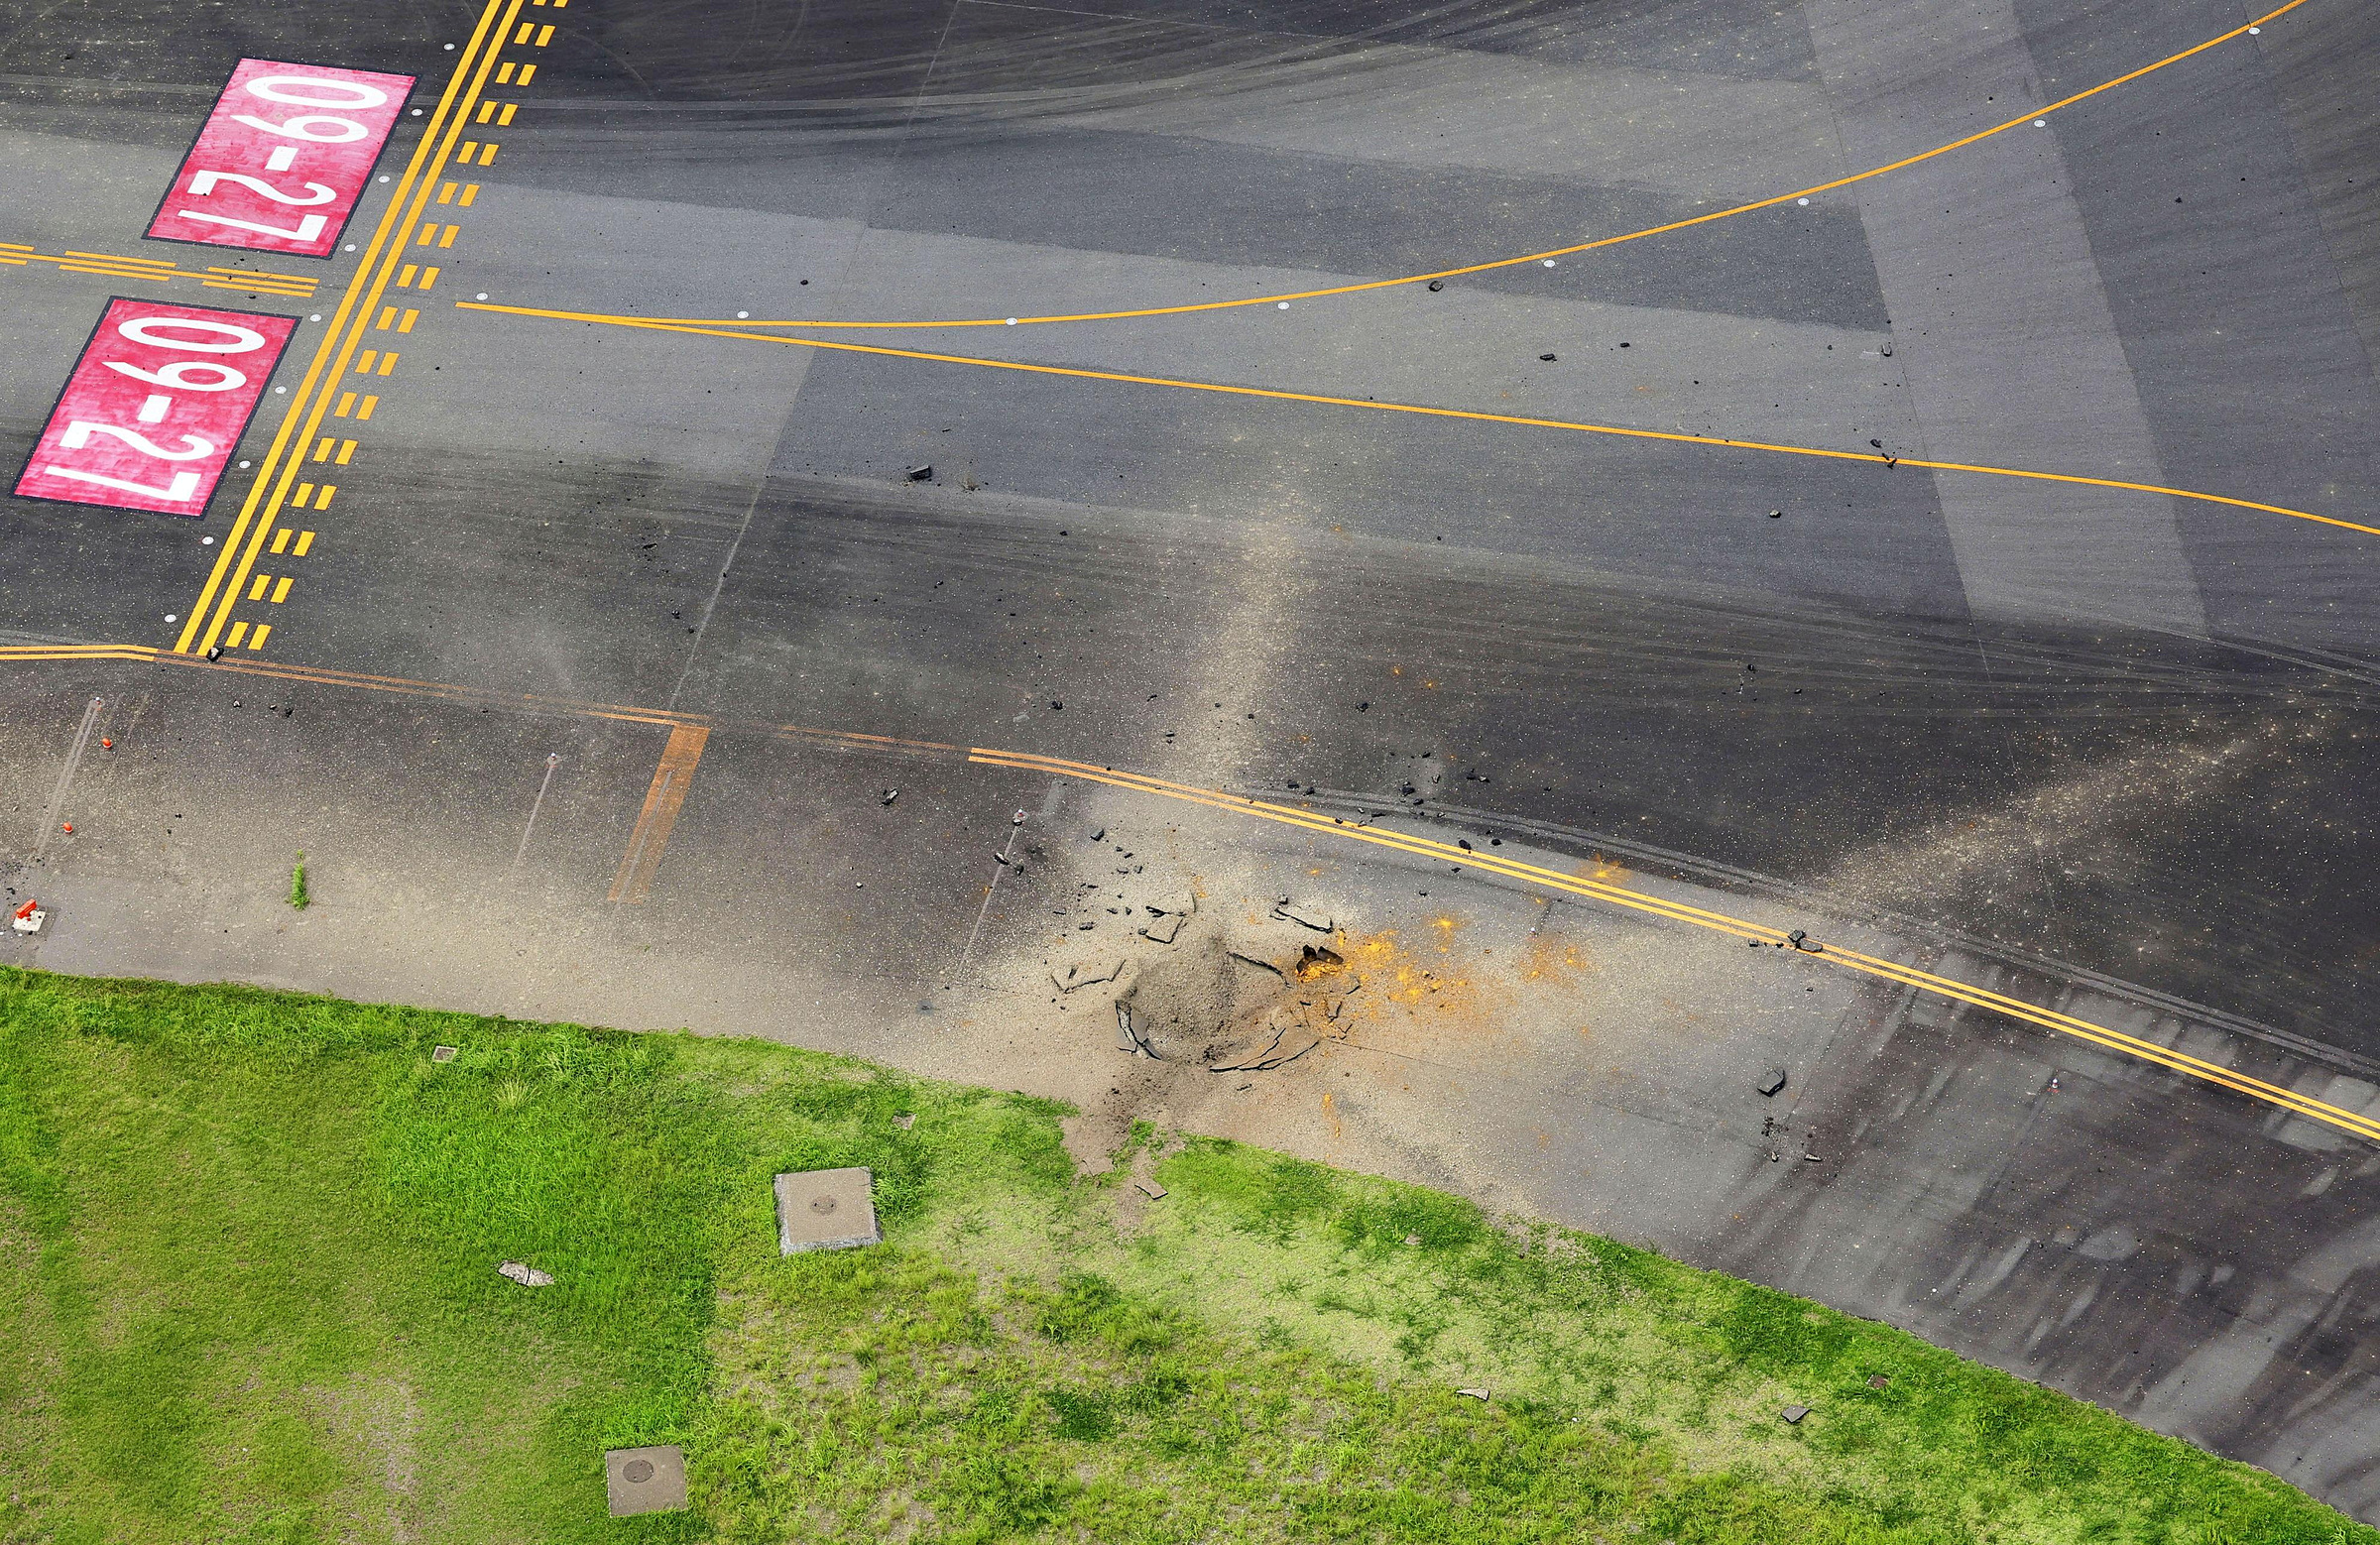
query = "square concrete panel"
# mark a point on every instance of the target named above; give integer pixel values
(644, 1481)
(826, 1209)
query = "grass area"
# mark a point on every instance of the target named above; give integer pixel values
(247, 1286)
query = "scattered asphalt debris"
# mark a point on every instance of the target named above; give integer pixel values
(1793, 1414)
(1776, 515)
(1100, 835)
(888, 796)
(1460, 842)
(524, 1274)
(1165, 930)
(1056, 707)
(1548, 358)
(1876, 444)
(919, 473)
(1887, 351)
(1770, 1082)
(1623, 345)
(1364, 707)
(1437, 284)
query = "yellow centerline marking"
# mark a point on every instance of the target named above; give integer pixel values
(108, 265)
(2022, 121)
(1832, 955)
(220, 593)
(1424, 409)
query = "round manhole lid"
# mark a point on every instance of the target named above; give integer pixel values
(822, 1204)
(637, 1471)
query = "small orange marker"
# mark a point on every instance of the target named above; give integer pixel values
(105, 743)
(70, 828)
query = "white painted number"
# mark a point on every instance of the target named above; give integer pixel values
(344, 131)
(79, 431)
(273, 89)
(176, 375)
(204, 183)
(242, 340)
(181, 490)
(309, 226)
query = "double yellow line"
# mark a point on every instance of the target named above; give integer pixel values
(1305, 820)
(1702, 918)
(254, 525)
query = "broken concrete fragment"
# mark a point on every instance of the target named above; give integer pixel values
(904, 1120)
(525, 1274)
(644, 1481)
(826, 1209)
(1164, 929)
(1148, 1188)
(1180, 905)
(1771, 1081)
(441, 1053)
(1877, 1381)
(1476, 1394)
(920, 473)
(1793, 1414)
(1306, 916)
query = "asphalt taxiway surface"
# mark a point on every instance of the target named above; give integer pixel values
(2100, 749)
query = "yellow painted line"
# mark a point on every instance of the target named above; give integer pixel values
(487, 155)
(281, 591)
(528, 72)
(346, 452)
(339, 340)
(239, 632)
(281, 540)
(363, 414)
(661, 803)
(463, 156)
(322, 499)
(304, 492)
(1827, 954)
(263, 582)
(470, 192)
(410, 317)
(113, 266)
(306, 539)
(323, 451)
(363, 366)
(388, 362)
(256, 639)
(388, 318)
(445, 192)
(504, 119)
(453, 231)
(688, 750)
(504, 71)
(1427, 410)
(487, 110)
(346, 406)
(429, 275)
(525, 30)
(2024, 120)
(404, 274)
(544, 36)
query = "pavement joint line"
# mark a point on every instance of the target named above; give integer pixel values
(1421, 408)
(355, 304)
(1834, 956)
(2031, 118)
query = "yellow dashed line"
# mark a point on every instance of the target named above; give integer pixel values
(281, 591)
(388, 362)
(363, 366)
(305, 491)
(346, 451)
(239, 632)
(407, 324)
(322, 499)
(263, 583)
(526, 70)
(306, 539)
(346, 406)
(257, 639)
(280, 537)
(470, 192)
(363, 414)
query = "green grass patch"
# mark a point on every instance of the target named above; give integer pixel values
(248, 1244)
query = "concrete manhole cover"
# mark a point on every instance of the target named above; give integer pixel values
(826, 1209)
(644, 1481)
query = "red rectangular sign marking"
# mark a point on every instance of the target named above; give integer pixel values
(156, 407)
(283, 158)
